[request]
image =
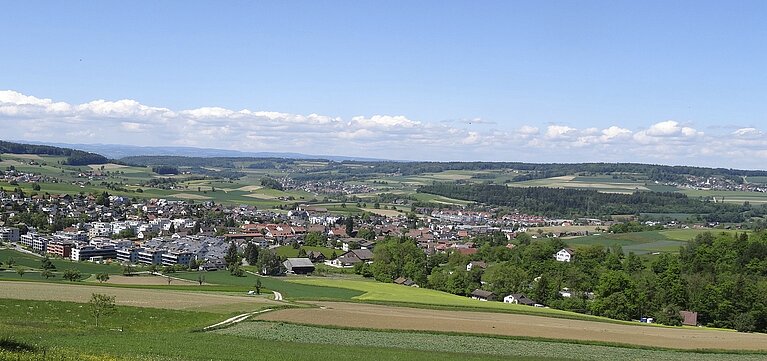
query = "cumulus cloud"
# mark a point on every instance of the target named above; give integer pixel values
(26, 117)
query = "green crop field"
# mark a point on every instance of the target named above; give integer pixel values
(496, 346)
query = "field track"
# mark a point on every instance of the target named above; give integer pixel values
(175, 300)
(401, 318)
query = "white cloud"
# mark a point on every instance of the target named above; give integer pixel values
(383, 136)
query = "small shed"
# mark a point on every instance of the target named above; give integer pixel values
(689, 318)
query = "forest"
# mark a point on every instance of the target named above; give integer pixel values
(74, 157)
(722, 277)
(557, 202)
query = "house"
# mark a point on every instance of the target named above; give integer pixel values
(564, 255)
(349, 259)
(476, 264)
(405, 282)
(519, 299)
(689, 318)
(315, 256)
(482, 295)
(299, 265)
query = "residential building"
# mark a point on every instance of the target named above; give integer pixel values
(60, 248)
(9, 234)
(87, 252)
(564, 255)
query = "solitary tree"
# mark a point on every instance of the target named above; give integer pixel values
(201, 279)
(47, 274)
(20, 271)
(102, 277)
(101, 305)
(258, 286)
(46, 264)
(72, 275)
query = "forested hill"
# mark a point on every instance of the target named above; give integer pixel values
(556, 202)
(74, 157)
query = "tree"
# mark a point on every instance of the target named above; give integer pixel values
(349, 223)
(232, 258)
(47, 274)
(35, 187)
(102, 277)
(11, 262)
(20, 271)
(251, 254)
(236, 271)
(258, 285)
(269, 263)
(46, 264)
(314, 239)
(201, 279)
(506, 278)
(172, 228)
(128, 270)
(72, 275)
(301, 253)
(101, 305)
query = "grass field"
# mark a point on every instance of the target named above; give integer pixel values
(65, 330)
(175, 300)
(30, 261)
(642, 242)
(372, 291)
(473, 344)
(288, 251)
(289, 290)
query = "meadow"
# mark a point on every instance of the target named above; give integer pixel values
(65, 331)
(466, 343)
(642, 242)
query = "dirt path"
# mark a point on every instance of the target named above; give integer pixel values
(235, 319)
(402, 318)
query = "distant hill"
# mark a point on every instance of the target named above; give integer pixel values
(117, 151)
(74, 157)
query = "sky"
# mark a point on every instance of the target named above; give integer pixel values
(669, 82)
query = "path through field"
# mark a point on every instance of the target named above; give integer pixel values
(402, 318)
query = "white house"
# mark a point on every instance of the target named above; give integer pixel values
(564, 255)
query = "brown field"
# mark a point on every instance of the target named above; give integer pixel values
(401, 318)
(108, 166)
(175, 300)
(383, 212)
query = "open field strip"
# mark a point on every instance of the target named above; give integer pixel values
(145, 280)
(474, 344)
(174, 300)
(417, 319)
(377, 292)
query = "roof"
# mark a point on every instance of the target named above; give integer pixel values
(299, 262)
(363, 254)
(521, 298)
(482, 293)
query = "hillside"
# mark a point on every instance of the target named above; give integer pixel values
(73, 157)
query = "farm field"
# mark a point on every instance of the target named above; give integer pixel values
(372, 291)
(417, 319)
(465, 343)
(600, 183)
(65, 331)
(642, 242)
(174, 300)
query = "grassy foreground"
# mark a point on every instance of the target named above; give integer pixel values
(496, 346)
(64, 330)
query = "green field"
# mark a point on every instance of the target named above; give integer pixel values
(65, 330)
(289, 290)
(377, 292)
(496, 346)
(288, 251)
(642, 242)
(30, 261)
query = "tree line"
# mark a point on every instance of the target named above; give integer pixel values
(557, 202)
(74, 157)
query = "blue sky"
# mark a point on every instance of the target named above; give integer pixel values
(680, 82)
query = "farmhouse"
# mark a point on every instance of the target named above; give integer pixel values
(405, 282)
(564, 255)
(349, 259)
(518, 298)
(482, 295)
(299, 265)
(315, 256)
